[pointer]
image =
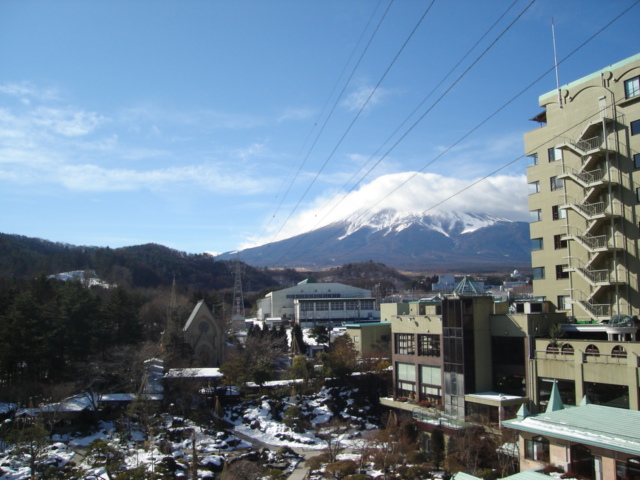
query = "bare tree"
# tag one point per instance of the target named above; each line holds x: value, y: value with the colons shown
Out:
x: 332, y: 434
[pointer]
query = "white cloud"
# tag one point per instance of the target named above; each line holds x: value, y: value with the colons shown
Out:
x: 296, y: 114
x: 67, y: 122
x: 501, y: 195
x: 357, y: 98
x: 26, y: 91
x: 92, y: 178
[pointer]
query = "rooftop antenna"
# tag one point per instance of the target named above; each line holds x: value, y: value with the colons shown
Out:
x: 555, y: 61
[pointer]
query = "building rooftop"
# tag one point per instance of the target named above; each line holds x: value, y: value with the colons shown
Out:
x: 367, y: 324
x: 596, y: 425
x: 567, y: 86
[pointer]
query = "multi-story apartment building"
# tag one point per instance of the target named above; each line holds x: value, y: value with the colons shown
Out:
x: 584, y: 185
x: 463, y: 357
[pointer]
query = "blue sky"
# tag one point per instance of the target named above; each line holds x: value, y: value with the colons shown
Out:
x: 214, y: 125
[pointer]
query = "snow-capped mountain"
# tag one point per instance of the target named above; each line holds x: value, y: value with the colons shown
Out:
x: 451, y: 241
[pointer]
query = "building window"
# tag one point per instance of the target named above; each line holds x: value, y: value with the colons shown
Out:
x: 306, y: 307
x: 351, y: 305
x: 367, y: 304
x: 356, y: 339
x: 406, y: 378
x: 430, y: 383
x: 638, y: 194
x: 632, y: 87
x: 560, y: 273
x: 636, y: 161
x: 429, y: 345
x: 635, y: 127
x: 535, y: 215
x: 619, y: 351
x: 337, y: 306
x: 537, y: 449
x: 533, y: 159
x: 404, y: 344
x: 631, y: 469
x: 554, y: 154
x: 563, y: 302
x: 592, y: 350
x: 567, y: 349
x: 322, y: 306
x: 538, y: 273
x: 558, y: 242
x: 537, y: 244
x: 534, y: 187
x: 556, y: 183
x: 557, y: 213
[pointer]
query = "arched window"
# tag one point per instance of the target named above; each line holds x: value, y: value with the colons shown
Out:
x: 551, y: 348
x: 593, y: 351
x: 537, y: 449
x: 619, y: 351
x: 567, y: 349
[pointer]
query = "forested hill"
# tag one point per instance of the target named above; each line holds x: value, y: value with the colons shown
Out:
x: 144, y: 266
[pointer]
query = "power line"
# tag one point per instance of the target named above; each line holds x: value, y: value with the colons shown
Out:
x: 355, y: 118
x: 579, y: 47
x: 422, y: 118
x: 444, y: 78
x: 315, y: 124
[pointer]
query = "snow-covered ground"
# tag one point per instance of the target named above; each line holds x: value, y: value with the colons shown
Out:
x: 174, y: 440
x: 260, y: 420
x: 263, y: 422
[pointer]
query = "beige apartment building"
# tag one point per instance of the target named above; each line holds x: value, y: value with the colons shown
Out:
x: 584, y: 194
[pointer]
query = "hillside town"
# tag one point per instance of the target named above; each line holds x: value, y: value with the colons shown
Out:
x: 356, y: 371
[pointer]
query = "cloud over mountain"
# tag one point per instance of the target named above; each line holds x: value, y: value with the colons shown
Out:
x: 503, y: 196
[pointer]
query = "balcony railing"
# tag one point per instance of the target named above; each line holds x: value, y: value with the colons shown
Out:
x: 585, y: 145
x: 585, y: 178
x: 595, y: 277
x: 589, y: 144
x: 592, y: 242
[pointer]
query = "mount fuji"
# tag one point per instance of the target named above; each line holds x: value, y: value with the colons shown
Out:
x: 450, y: 241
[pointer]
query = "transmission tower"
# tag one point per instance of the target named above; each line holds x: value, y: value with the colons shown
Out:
x: 237, y: 314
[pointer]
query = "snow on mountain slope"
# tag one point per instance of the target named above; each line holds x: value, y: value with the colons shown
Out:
x: 395, y: 221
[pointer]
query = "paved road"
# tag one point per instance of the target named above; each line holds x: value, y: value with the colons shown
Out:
x: 300, y: 471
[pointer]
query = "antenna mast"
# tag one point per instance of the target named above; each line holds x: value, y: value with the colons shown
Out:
x: 555, y: 62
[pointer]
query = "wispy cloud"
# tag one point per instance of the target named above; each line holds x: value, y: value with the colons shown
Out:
x: 296, y: 114
x: 26, y: 92
x: 67, y: 122
x: 206, y: 177
x: 201, y: 119
x: 357, y: 98
x: 45, y: 143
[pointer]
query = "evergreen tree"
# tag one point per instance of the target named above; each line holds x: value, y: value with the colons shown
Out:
x: 297, y: 341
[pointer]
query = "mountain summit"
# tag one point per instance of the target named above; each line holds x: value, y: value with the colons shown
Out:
x: 413, y: 241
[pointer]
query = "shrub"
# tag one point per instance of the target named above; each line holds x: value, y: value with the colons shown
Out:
x: 341, y: 469
x: 416, y: 457
x: 418, y: 472
x: 315, y: 463
x: 487, y: 474
x: 552, y: 468
x: 295, y: 419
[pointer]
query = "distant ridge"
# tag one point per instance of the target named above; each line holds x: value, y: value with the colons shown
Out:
x: 440, y: 241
